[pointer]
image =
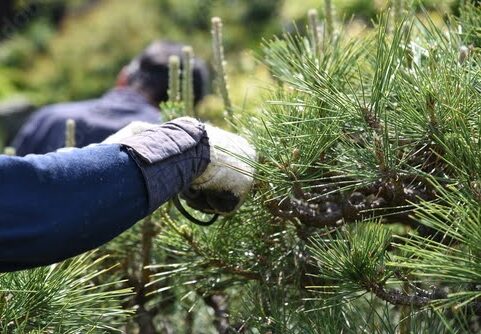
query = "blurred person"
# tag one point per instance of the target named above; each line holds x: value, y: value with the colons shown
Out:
x: 140, y: 87
x: 61, y: 204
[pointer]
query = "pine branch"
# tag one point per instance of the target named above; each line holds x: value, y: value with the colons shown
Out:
x: 216, y: 262
x: 144, y: 318
x: 336, y: 208
x: 395, y: 297
x: 62, y: 298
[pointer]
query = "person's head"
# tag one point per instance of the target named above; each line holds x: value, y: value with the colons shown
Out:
x: 148, y: 73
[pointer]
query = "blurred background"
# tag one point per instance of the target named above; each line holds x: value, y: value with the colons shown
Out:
x: 53, y: 50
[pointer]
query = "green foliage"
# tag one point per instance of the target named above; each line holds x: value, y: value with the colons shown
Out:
x: 471, y: 32
x: 353, y: 260
x: 399, y: 102
x: 453, y: 258
x: 270, y: 308
x: 63, y: 298
x: 89, y: 65
x: 83, y: 59
x: 365, y: 132
x: 215, y: 256
x: 365, y: 211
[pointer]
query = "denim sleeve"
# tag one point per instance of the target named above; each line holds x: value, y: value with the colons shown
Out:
x: 59, y: 205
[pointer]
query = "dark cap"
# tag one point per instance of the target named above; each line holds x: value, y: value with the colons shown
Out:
x: 150, y: 71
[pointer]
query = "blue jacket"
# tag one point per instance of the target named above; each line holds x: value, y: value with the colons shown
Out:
x: 95, y: 120
x: 61, y: 204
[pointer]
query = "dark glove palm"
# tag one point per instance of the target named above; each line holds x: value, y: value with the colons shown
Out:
x: 211, y: 200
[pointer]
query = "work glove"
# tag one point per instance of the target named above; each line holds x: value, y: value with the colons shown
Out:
x: 228, y: 178
x: 224, y: 184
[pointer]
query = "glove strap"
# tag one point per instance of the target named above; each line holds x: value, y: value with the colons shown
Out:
x: 187, y: 215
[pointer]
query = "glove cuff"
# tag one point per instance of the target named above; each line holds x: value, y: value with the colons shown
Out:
x: 170, y: 156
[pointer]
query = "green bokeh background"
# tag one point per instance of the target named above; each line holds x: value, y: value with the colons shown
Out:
x: 69, y: 50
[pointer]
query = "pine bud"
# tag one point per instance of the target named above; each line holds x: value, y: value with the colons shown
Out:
x: 174, y: 71
x: 296, y: 153
x: 186, y: 232
x: 187, y: 80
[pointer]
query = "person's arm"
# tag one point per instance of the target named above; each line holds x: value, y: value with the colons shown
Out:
x: 58, y: 205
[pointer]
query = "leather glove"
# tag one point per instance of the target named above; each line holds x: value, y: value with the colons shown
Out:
x: 226, y: 181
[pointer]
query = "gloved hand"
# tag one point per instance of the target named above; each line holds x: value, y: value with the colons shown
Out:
x: 226, y: 181
x: 228, y: 178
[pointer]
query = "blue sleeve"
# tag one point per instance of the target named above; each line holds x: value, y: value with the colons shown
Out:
x: 59, y: 205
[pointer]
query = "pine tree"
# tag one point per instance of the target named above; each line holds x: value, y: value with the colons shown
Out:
x: 365, y: 216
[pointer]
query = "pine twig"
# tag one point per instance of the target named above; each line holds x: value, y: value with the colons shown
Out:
x: 397, y: 10
x: 187, y: 80
x: 328, y: 11
x: 139, y: 276
x: 211, y: 262
x: 219, y: 65
x: 313, y: 24
x: 70, y: 133
x: 148, y: 234
x: 174, y: 73
x: 189, y: 323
